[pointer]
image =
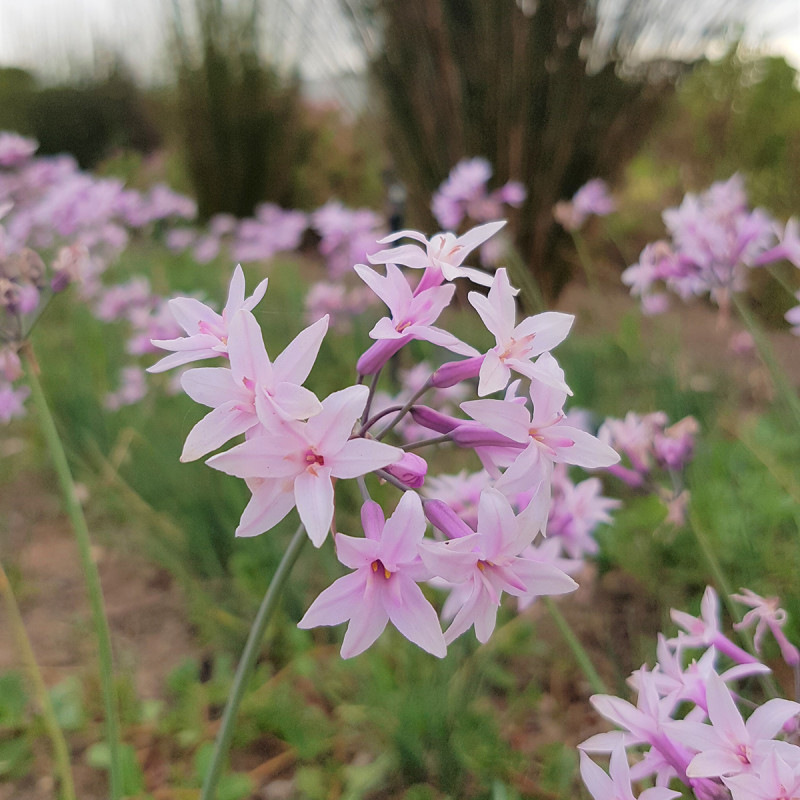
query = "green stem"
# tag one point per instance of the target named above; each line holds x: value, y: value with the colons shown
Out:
x: 581, y: 656
x: 530, y: 298
x: 586, y: 262
x: 90, y: 574
x: 60, y: 750
x: 779, y: 379
x: 248, y: 660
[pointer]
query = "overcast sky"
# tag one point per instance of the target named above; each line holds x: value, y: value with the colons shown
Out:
x: 59, y: 37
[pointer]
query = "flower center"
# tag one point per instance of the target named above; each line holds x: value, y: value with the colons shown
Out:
x: 377, y: 565
x: 313, y: 460
x: 743, y: 753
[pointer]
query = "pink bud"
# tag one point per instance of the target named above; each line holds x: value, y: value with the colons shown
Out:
x: 409, y: 470
x: 454, y: 372
x: 441, y: 516
x: 378, y: 354
x: 434, y: 420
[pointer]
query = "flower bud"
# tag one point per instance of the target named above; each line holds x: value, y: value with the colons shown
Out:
x: 434, y: 420
x: 378, y: 354
x: 441, y: 516
x: 454, y: 372
x: 410, y: 470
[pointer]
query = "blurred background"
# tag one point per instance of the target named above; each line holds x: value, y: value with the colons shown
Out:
x: 236, y: 102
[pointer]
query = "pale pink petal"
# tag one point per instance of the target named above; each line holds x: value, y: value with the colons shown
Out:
x: 493, y: 375
x: 188, y: 311
x: 475, y: 237
x: 332, y: 427
x: 313, y: 494
x: 493, y: 317
x: 496, y: 523
x: 356, y: 552
x: 270, y: 503
x: 210, y: 386
x: 296, y: 361
x: 255, y: 298
x: 372, y: 520
x: 600, y: 786
x: 510, y: 419
x: 453, y: 560
x: 587, y: 451
x: 179, y: 358
x: 295, y: 402
x: 365, y: 626
x: 337, y: 603
x: 360, y: 456
x: 384, y: 328
x: 437, y: 336
x: 216, y: 428
x: 475, y: 275
x: 405, y: 234
x: 403, y: 531
x: 379, y: 284
x: 246, y: 349
x: 415, y: 617
x: 769, y: 718
x: 465, y: 616
x: 713, y: 763
x: 549, y: 329
x: 261, y: 457
x: 205, y: 342
x: 235, y: 292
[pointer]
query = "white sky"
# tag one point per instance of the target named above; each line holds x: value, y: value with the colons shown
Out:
x: 54, y: 37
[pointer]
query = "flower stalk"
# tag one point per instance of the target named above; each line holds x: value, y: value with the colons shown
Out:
x: 91, y: 576
x: 248, y: 660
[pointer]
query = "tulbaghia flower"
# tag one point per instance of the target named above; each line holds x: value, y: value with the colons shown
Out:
x: 383, y: 587
x: 295, y: 463
x: 544, y: 434
x: 729, y: 745
x: 617, y: 784
x: 516, y: 344
x: 704, y: 631
x: 14, y: 149
x: 766, y: 615
x: 132, y: 389
x: 413, y: 315
x: 489, y: 562
x: 442, y: 257
x: 207, y: 330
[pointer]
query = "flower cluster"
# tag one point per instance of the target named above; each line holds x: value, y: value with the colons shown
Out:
x: 592, y: 199
x: 688, y: 718
x: 655, y: 454
x: 296, y: 446
x: 715, y: 239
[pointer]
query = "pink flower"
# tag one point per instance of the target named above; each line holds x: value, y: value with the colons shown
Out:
x: 208, y: 331
x: 298, y: 461
x: 413, y: 315
x: 516, y: 344
x: 617, y: 784
x: 489, y: 563
x: 443, y: 254
x: 546, y: 437
x: 383, y: 587
x: 766, y: 615
x: 729, y: 746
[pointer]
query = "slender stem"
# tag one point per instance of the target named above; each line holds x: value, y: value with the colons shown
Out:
x: 775, y: 272
x: 782, y: 385
x: 60, y: 749
x: 90, y: 574
x: 581, y: 656
x: 248, y: 660
x: 585, y: 261
x: 445, y: 437
x: 405, y: 409
x: 379, y: 416
x: 372, y: 387
x: 385, y: 476
x: 531, y: 298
